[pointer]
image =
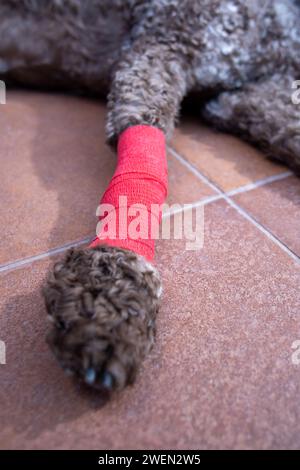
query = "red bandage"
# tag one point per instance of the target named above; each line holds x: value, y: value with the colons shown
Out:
x: 140, y: 179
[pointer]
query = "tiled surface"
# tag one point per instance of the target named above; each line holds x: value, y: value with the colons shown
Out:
x: 224, y: 159
x: 277, y: 207
x: 221, y: 374
x: 184, y: 186
x: 54, y: 167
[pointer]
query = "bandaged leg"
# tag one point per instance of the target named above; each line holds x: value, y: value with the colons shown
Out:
x: 103, y: 300
x: 135, y: 193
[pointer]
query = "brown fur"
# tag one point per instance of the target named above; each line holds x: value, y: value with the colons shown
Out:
x: 102, y: 303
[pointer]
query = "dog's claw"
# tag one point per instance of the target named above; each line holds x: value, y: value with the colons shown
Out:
x: 90, y: 376
x: 107, y: 380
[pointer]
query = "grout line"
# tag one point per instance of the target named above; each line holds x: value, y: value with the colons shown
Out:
x: 54, y: 251
x: 263, y: 229
x: 195, y: 171
x: 226, y: 197
x: 203, y: 202
x: 192, y: 205
x: 233, y: 192
x: 259, y: 183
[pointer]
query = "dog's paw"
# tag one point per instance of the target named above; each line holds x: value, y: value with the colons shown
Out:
x: 102, y: 303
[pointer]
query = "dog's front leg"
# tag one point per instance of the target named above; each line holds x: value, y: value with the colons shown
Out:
x: 103, y: 301
x: 148, y: 86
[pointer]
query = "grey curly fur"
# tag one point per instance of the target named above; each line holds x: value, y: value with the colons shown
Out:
x: 245, y: 109
x: 146, y: 56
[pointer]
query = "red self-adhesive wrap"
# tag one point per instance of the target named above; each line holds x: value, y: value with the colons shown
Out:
x: 137, y: 190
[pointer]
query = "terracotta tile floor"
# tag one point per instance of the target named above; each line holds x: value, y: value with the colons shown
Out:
x: 221, y: 374
x: 225, y: 160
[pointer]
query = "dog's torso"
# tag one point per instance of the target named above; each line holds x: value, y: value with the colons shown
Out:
x: 221, y: 43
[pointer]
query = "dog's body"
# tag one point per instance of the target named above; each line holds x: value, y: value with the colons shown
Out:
x: 242, y: 57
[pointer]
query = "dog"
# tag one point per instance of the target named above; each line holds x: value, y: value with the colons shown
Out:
x: 241, y: 58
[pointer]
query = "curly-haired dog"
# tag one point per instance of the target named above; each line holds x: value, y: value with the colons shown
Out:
x: 240, y: 57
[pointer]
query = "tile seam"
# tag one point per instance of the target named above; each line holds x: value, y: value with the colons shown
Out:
x: 11, y: 266
x: 237, y: 207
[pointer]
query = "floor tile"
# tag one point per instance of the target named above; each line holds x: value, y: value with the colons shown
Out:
x: 54, y: 167
x: 277, y: 207
x: 220, y: 376
x: 224, y: 159
x: 184, y: 186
